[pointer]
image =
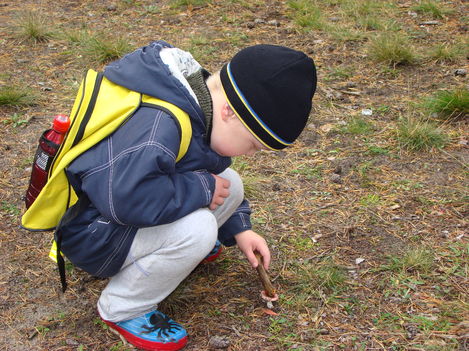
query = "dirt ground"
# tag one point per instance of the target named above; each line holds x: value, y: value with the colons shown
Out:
x: 369, y: 240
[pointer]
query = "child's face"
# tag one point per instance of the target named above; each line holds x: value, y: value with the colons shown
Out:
x: 231, y: 138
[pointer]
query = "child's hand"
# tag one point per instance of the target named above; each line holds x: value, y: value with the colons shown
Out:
x: 221, y: 192
x: 248, y: 242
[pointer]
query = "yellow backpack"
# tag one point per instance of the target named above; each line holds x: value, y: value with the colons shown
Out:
x: 99, y: 109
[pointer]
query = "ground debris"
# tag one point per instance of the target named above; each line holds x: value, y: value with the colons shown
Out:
x: 219, y: 342
x: 384, y: 203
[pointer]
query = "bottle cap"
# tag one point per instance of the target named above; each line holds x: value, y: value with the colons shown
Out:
x: 61, y: 123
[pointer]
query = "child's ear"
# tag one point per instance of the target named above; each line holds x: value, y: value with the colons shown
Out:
x: 227, y: 111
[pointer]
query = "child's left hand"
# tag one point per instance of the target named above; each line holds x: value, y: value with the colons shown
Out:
x: 248, y: 242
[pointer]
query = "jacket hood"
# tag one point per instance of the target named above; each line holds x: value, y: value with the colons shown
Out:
x: 159, y: 70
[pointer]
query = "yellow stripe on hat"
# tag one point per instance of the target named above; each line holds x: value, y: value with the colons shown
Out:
x: 253, y: 113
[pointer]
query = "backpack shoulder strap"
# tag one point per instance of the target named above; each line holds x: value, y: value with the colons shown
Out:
x: 182, y: 119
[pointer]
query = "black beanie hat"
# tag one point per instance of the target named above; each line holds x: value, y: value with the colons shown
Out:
x: 270, y: 89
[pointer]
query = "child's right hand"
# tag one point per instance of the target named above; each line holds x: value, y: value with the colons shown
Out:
x: 221, y: 192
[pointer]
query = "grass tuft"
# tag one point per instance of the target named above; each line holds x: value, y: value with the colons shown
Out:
x: 432, y: 8
x: 362, y: 11
x: 358, y: 126
x: 9, y: 208
x: 306, y: 14
x: 32, y: 26
x: 442, y: 53
x: 176, y: 4
x: 449, y: 104
x: 415, y: 134
x: 331, y: 276
x: 16, y: 120
x: 339, y: 72
x: 418, y: 259
x: 369, y: 23
x: 319, y: 277
x: 101, y: 48
x: 391, y: 48
x: 346, y: 34
x: 14, y: 96
x: 76, y: 36
x: 362, y: 8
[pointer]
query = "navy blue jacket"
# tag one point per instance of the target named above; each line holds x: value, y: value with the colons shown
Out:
x: 132, y: 178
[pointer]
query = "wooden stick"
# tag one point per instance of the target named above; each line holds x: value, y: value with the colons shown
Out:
x: 268, y: 288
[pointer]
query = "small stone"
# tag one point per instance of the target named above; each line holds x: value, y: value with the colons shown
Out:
x: 336, y: 178
x: 112, y: 7
x: 259, y: 20
x: 316, y: 237
x: 250, y: 25
x: 412, y: 331
x: 71, y: 342
x: 334, y: 19
x: 274, y: 23
x: 367, y: 112
x: 359, y: 260
x: 219, y: 342
x: 429, y: 23
x: 323, y: 332
x: 460, y: 72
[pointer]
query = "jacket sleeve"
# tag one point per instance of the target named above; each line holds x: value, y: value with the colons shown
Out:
x: 139, y: 185
x: 239, y: 221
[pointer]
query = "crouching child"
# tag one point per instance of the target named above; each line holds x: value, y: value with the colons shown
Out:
x: 148, y: 220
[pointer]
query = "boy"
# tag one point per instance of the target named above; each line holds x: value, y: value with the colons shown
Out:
x: 150, y: 221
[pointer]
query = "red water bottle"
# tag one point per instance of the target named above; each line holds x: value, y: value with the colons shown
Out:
x: 49, y: 143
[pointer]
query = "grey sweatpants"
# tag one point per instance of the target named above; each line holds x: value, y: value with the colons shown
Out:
x: 161, y: 257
